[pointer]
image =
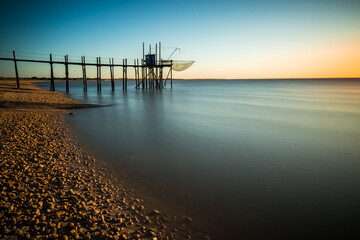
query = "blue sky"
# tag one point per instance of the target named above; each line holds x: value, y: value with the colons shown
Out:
x: 228, y: 39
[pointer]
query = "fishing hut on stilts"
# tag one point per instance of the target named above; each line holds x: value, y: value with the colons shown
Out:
x: 151, y: 72
x: 153, y: 68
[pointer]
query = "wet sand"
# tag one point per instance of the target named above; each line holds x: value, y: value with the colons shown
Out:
x: 52, y: 188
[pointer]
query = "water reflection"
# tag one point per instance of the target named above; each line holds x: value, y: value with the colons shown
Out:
x: 273, y: 159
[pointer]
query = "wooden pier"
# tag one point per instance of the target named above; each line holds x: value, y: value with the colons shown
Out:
x: 151, y: 67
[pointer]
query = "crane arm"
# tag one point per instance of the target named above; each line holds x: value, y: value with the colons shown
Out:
x: 176, y: 49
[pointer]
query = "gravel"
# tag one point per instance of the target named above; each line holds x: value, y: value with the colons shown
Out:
x: 51, y: 188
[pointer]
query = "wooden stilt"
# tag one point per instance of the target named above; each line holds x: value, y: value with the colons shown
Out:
x: 84, y: 73
x: 123, y: 80
x: 149, y: 69
x: 16, y: 72
x: 142, y: 68
x: 142, y: 74
x: 100, y: 74
x: 161, y: 68
x: 52, y: 84
x: 67, y: 72
x: 97, y: 74
x: 135, y: 70
x: 112, y: 74
x: 161, y: 77
x: 126, y: 73
x: 138, y: 73
x: 146, y: 78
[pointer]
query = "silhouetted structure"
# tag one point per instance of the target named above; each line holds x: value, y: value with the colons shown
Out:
x: 151, y: 70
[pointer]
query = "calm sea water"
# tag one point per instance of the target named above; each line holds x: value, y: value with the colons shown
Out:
x: 250, y: 159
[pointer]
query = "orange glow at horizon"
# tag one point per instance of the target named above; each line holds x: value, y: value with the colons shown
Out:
x: 333, y: 60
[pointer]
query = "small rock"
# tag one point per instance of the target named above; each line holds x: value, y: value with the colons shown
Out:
x: 123, y: 236
x: 59, y: 213
x: 54, y: 235
x: 11, y: 208
x: 188, y: 219
x: 151, y: 233
x: 156, y: 212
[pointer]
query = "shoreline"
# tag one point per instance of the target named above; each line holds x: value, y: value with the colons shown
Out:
x: 52, y: 188
x: 182, y: 79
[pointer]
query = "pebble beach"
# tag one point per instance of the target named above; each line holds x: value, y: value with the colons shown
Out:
x: 51, y: 188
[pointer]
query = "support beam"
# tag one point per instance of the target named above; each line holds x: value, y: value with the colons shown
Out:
x: 97, y: 74
x: 70, y: 63
x: 135, y: 70
x: 138, y: 73
x: 126, y: 78
x: 123, y: 78
x: 52, y: 83
x: 142, y: 68
x: 111, y: 61
x: 125, y: 74
x: 142, y: 74
x: 146, y: 77
x: 161, y: 68
x: 161, y: 77
x: 67, y: 72
x: 84, y: 73
x: 100, y: 74
x: 16, y: 72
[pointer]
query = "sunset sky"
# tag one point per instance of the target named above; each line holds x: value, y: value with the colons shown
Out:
x: 227, y: 39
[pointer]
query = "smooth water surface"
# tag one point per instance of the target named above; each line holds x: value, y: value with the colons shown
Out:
x: 258, y: 159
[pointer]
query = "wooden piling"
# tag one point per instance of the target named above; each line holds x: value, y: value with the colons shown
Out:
x: 142, y: 68
x: 52, y: 83
x: 67, y: 72
x: 138, y: 74
x: 142, y: 74
x: 146, y: 77
x: 125, y: 74
x: 16, y: 72
x: 84, y: 73
x: 161, y: 77
x: 99, y: 74
x: 126, y: 78
x: 135, y: 71
x: 148, y: 71
x: 123, y: 78
x: 161, y: 68
x: 112, y: 74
